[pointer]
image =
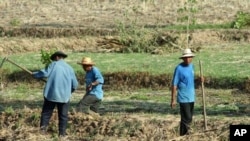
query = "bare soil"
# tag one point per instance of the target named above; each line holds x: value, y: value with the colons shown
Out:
x: 28, y: 26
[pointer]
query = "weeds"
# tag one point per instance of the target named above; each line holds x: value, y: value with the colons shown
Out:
x: 9, y: 111
x: 34, y: 119
x: 15, y: 22
x: 242, y: 20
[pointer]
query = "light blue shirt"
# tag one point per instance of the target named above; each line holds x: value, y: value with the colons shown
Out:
x: 61, y: 81
x: 184, y: 80
x: 95, y: 75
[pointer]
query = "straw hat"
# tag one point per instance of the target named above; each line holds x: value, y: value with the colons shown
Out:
x: 86, y: 61
x: 58, y: 53
x: 187, y: 53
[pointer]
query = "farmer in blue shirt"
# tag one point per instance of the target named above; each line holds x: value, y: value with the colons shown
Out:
x: 60, y: 84
x: 183, y: 85
x: 92, y: 99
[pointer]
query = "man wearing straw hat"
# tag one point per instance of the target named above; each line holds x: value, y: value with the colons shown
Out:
x: 183, y: 85
x: 91, y: 101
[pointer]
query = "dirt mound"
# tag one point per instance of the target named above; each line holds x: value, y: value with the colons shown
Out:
x: 127, y: 81
x: 24, y: 125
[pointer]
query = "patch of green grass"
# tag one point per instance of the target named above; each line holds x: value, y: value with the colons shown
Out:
x: 144, y: 101
x: 23, y: 91
x: 227, y: 71
x: 225, y: 60
x: 139, y: 97
x: 27, y: 60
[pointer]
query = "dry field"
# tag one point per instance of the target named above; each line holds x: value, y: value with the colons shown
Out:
x: 94, y: 18
x: 104, y: 13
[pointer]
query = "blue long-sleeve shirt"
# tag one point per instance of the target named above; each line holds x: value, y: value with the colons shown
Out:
x: 95, y: 75
x: 184, y: 80
x: 61, y: 81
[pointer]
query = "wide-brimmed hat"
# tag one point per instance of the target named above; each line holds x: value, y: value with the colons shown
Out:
x: 58, y: 53
x: 187, y: 53
x: 86, y: 61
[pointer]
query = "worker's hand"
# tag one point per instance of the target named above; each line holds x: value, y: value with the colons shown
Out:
x: 89, y: 88
x: 173, y: 104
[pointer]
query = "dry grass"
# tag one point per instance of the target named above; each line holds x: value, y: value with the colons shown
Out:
x: 59, y: 19
x: 23, y: 125
x: 103, y: 13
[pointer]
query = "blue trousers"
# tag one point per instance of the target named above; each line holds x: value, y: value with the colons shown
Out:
x: 186, y: 110
x: 47, y: 111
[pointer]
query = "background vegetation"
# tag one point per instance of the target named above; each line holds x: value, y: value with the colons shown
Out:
x: 136, y: 45
x: 149, y: 70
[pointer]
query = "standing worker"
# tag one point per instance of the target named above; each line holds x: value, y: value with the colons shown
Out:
x: 92, y: 99
x: 60, y: 84
x: 183, y: 84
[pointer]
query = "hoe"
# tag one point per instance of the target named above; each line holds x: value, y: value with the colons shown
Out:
x: 12, y: 62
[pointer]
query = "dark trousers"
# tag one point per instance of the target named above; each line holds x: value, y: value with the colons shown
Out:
x: 89, y: 102
x: 186, y: 110
x: 47, y: 111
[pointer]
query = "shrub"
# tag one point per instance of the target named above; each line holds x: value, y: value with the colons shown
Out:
x: 242, y: 20
x: 45, y: 57
x: 135, y: 38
